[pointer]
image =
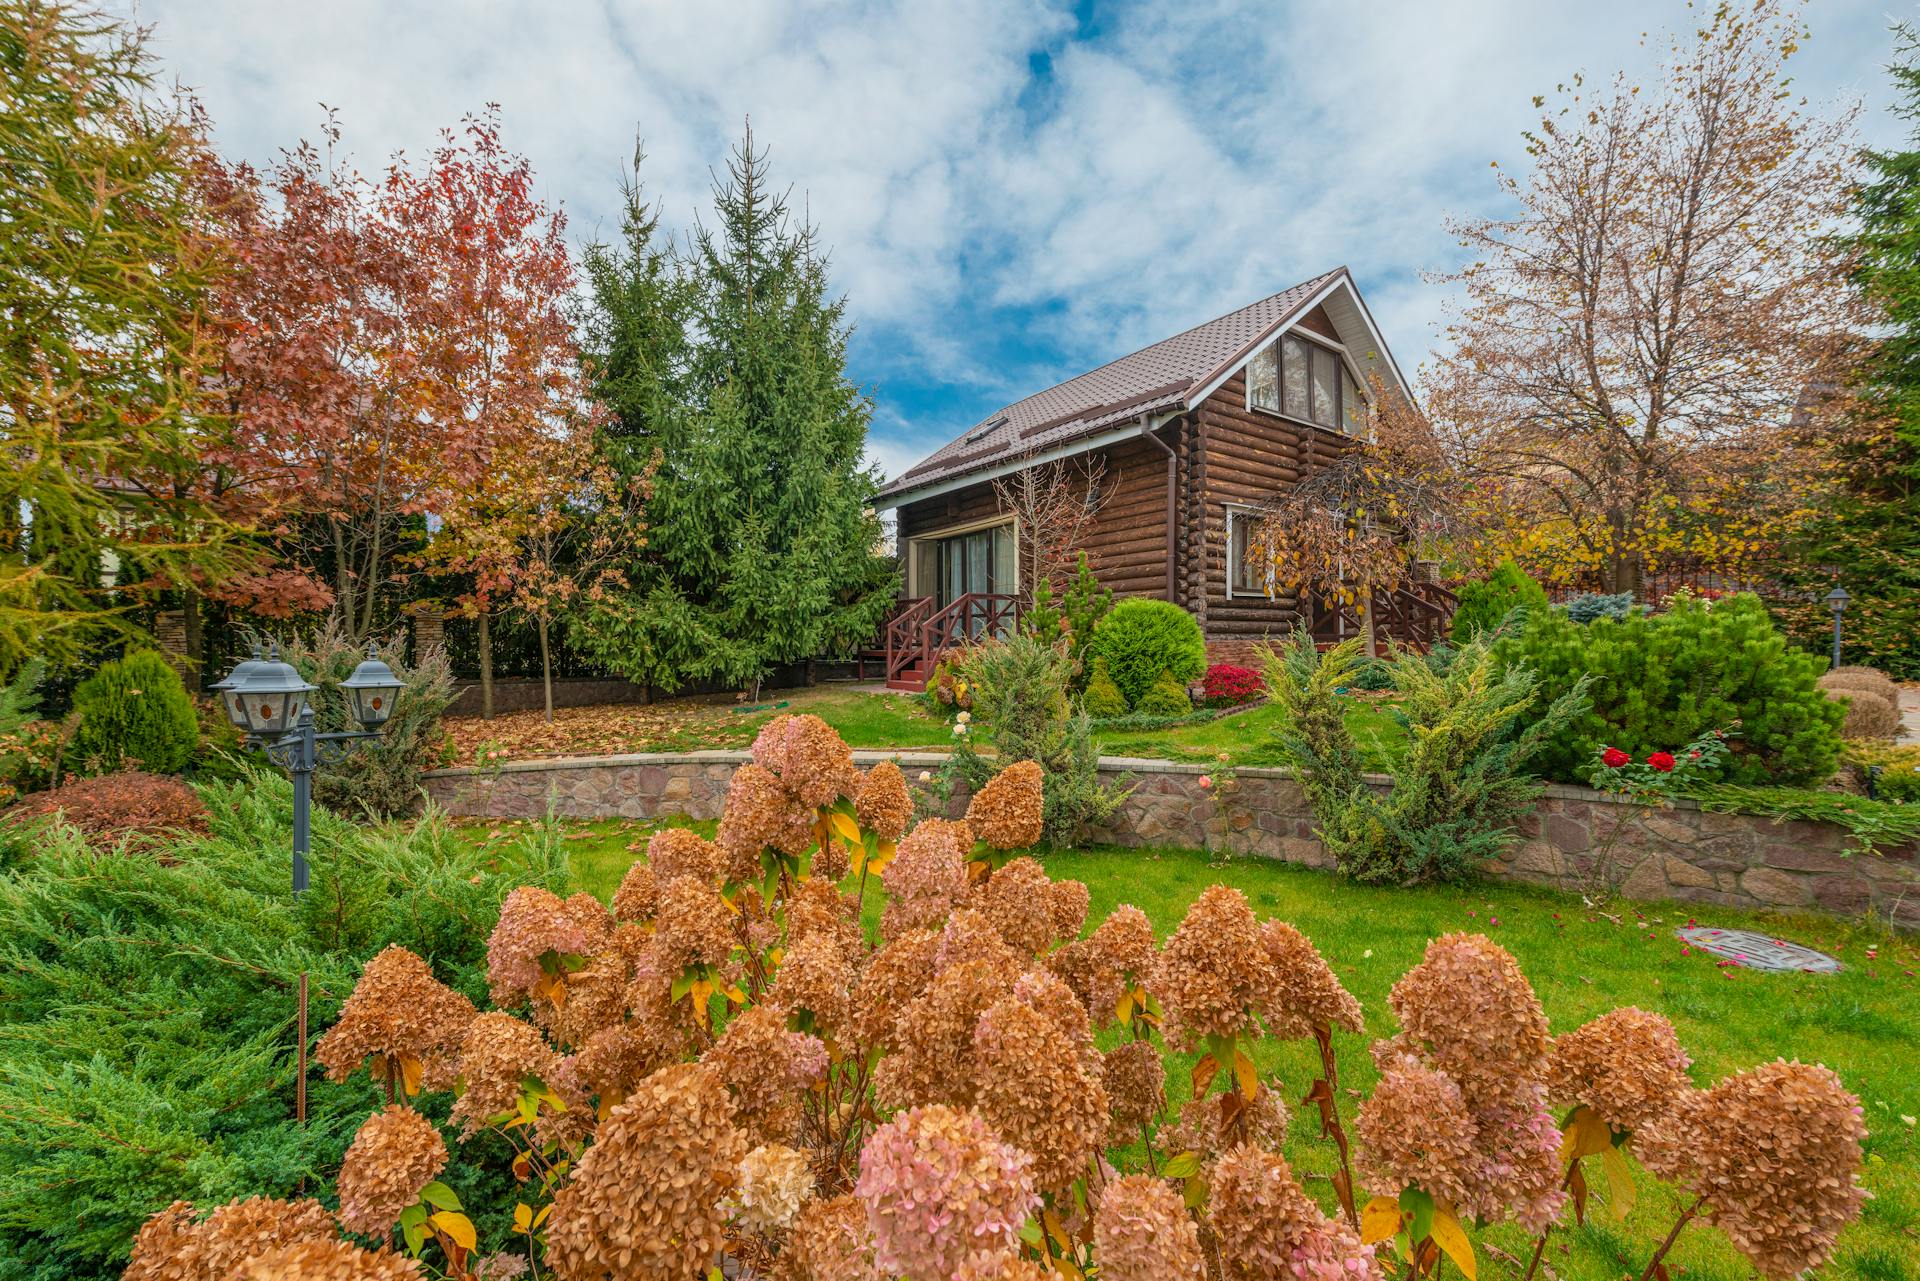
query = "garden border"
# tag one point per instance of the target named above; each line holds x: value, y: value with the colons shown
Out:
x: 1684, y: 852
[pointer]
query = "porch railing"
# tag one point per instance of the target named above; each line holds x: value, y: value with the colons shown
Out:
x: 919, y: 635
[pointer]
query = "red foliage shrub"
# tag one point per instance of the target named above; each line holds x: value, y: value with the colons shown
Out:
x: 111, y: 806
x: 1226, y: 685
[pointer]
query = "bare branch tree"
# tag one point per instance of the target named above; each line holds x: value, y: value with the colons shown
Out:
x: 1052, y: 504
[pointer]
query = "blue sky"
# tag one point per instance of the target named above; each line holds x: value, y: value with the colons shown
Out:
x: 1012, y: 192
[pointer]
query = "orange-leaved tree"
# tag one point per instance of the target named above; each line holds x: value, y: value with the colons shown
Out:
x: 1634, y: 354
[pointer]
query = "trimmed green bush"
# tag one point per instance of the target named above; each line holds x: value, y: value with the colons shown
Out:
x: 1139, y: 639
x: 1165, y: 697
x: 1485, y: 602
x: 1103, y: 699
x: 134, y: 711
x: 1662, y: 680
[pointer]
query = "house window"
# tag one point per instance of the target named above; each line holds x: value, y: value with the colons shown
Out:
x: 975, y: 561
x: 1246, y: 573
x: 1302, y: 379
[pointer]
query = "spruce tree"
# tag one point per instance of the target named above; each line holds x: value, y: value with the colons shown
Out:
x: 726, y: 363
x: 1868, y: 536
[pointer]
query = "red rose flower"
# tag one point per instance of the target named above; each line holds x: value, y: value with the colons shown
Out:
x: 1614, y: 758
x: 1662, y: 761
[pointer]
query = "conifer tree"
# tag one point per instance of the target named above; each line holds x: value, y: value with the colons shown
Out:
x: 726, y: 363
x: 1868, y: 537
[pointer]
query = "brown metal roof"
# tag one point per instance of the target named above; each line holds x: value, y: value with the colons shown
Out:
x: 1152, y: 379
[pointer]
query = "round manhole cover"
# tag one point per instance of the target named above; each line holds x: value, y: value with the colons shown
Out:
x: 1757, y: 951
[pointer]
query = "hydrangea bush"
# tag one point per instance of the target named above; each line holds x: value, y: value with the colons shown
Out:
x: 724, y: 1075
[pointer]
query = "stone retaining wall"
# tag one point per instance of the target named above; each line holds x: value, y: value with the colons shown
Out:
x: 1570, y: 841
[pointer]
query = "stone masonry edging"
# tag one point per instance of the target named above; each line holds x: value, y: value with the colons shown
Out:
x: 1682, y: 852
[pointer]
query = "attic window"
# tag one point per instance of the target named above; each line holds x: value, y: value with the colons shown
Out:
x: 1303, y: 380
x: 975, y: 437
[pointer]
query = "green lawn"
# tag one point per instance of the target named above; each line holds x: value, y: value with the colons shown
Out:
x: 1864, y: 1022
x: 1247, y: 737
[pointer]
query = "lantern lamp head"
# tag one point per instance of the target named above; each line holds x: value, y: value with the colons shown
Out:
x: 269, y: 697
x: 371, y: 690
x: 226, y: 688
x: 1837, y: 600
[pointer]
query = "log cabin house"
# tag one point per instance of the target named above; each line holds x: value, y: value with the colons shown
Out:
x: 1194, y: 433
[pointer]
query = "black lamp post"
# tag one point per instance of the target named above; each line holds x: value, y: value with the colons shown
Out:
x: 266, y: 699
x: 1837, y: 602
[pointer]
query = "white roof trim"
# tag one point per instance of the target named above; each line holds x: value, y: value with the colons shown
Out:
x: 1341, y: 282
x: 1080, y: 445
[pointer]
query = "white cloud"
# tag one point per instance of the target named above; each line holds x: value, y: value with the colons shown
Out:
x: 993, y: 233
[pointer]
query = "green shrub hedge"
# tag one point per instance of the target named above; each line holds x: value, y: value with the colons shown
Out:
x: 1165, y: 697
x: 1662, y: 680
x: 1103, y: 699
x: 134, y: 711
x: 1484, y: 602
x: 1139, y: 639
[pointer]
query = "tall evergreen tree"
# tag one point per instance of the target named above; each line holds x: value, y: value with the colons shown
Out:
x: 1868, y: 537
x: 726, y: 365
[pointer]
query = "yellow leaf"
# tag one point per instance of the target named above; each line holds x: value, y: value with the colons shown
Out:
x: 882, y: 855
x: 1586, y: 1135
x: 410, y: 1069
x: 735, y: 995
x: 1203, y: 1074
x: 699, y: 994
x: 844, y: 827
x: 1620, y: 1190
x: 457, y: 1226
x: 1379, y: 1219
x: 1246, y: 1074
x: 541, y: 1217
x: 1123, y: 1012
x: 523, y: 1217
x: 1451, y: 1237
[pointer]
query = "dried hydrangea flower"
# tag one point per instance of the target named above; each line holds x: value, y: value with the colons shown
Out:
x: 500, y: 1267
x: 1305, y: 994
x: 938, y: 1185
x: 895, y: 976
x: 830, y: 862
x: 395, y: 1153
x: 1136, y: 1081
x: 644, y: 1201
x: 1775, y: 1153
x: 326, y: 1260
x: 809, y: 758
x: 1627, y: 1065
x: 1117, y: 956
x: 1213, y: 970
x: 171, y: 1246
x: 815, y: 978
x: 932, y: 1059
x: 883, y: 805
x: 829, y: 1242
x: 1519, y: 1172
x: 1037, y: 1083
x: 1008, y: 813
x: 1414, y: 1130
x: 569, y: 1127
x: 1468, y: 1010
x: 639, y: 892
x: 766, y: 1068
x: 398, y: 1010
x: 679, y: 851
x: 1015, y: 899
x: 926, y: 878
x: 1269, y: 1227
x: 533, y: 923
x: 1142, y: 1232
x: 1216, y: 1122
x: 1001, y: 1265
x: 596, y: 998
x: 760, y: 813
x: 498, y: 1052
x: 1067, y: 903
x: 613, y: 1061
x: 775, y: 1181
x: 693, y: 926
x: 970, y: 935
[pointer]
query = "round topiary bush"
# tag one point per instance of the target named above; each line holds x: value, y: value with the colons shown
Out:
x: 1165, y: 697
x: 1853, y: 676
x: 1868, y: 714
x: 134, y: 709
x: 1103, y: 698
x: 1139, y: 639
